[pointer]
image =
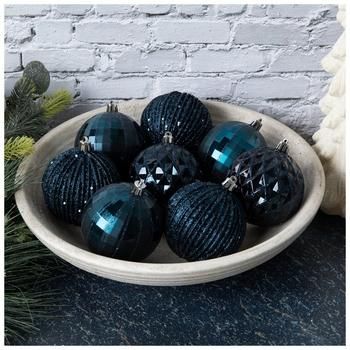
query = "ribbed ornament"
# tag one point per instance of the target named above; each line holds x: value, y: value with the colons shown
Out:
x: 204, y: 221
x: 165, y: 168
x: 114, y: 134
x: 182, y: 114
x: 224, y: 143
x: 71, y: 178
x: 270, y: 183
x: 123, y: 221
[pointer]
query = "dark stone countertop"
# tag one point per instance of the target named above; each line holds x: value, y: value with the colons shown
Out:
x: 296, y: 298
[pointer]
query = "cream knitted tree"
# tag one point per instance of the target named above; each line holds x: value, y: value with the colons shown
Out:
x: 330, y: 138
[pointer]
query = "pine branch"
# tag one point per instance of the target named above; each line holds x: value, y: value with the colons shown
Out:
x: 18, y: 147
x: 56, y: 103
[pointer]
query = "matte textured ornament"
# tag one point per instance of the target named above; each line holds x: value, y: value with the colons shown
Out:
x: 205, y: 221
x: 271, y: 184
x: 165, y: 167
x: 123, y: 221
x: 114, y: 134
x: 72, y: 177
x: 182, y: 114
x: 224, y: 143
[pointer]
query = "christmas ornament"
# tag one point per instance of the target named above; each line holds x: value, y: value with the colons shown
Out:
x: 39, y: 75
x: 114, y: 134
x: 205, y: 221
x: 72, y: 177
x: 165, y: 167
x: 184, y: 115
x: 271, y: 184
x: 123, y: 221
x: 224, y: 143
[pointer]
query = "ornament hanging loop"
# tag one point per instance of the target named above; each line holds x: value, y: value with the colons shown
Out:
x: 139, y: 186
x: 230, y: 183
x: 85, y: 144
x: 111, y: 107
x: 282, y: 146
x: 168, y: 137
x: 256, y: 124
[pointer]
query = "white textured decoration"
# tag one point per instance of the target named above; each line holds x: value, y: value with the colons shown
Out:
x: 330, y: 139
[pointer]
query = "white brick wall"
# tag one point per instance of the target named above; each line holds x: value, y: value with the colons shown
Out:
x: 265, y: 57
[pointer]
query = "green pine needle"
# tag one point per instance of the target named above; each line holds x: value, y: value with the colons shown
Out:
x: 18, y: 147
x: 56, y: 103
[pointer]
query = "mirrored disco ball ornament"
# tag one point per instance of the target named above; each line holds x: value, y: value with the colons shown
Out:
x: 205, y: 220
x: 123, y: 221
x: 224, y: 143
x: 270, y: 183
x: 114, y: 134
x: 165, y: 167
x: 72, y: 177
x: 182, y: 114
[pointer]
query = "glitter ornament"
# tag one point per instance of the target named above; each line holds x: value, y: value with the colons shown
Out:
x: 270, y: 183
x: 182, y: 114
x: 123, y: 221
x: 224, y: 143
x: 165, y: 167
x: 205, y: 220
x: 114, y: 134
x: 72, y: 177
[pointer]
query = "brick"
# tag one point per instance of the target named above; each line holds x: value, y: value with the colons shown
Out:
x: 327, y: 34
x: 294, y: 11
x: 190, y: 10
x: 156, y: 61
x: 124, y: 88
x: 17, y: 31
x: 257, y: 10
x: 192, y: 31
x: 59, y: 84
x: 272, y: 88
x: 111, y: 32
x: 10, y: 82
x: 62, y: 60
x: 241, y: 60
x: 154, y: 9
x: 270, y: 34
x: 54, y: 32
x: 26, y: 10
x: 77, y: 10
x: 230, y: 9
x: 318, y: 87
x: 12, y: 61
x: 113, y: 9
x: 201, y: 87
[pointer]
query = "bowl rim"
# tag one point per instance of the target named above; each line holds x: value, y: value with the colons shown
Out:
x: 172, y: 271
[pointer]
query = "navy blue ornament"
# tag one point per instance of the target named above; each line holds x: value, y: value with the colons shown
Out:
x: 205, y: 221
x: 123, y: 221
x: 114, y: 134
x: 72, y: 177
x: 270, y: 183
x: 224, y: 143
x: 182, y: 114
x: 165, y: 167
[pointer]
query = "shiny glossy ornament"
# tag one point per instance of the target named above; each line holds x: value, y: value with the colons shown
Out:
x: 114, y: 134
x: 204, y: 221
x: 165, y: 167
x: 72, y: 177
x: 224, y: 143
x: 123, y: 221
x: 182, y: 114
x: 270, y: 183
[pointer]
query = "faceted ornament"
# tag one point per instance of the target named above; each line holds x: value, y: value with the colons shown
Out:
x: 204, y: 221
x: 72, y: 177
x: 123, y: 221
x: 182, y: 114
x: 165, y: 168
x: 271, y: 185
x: 224, y: 143
x: 114, y: 134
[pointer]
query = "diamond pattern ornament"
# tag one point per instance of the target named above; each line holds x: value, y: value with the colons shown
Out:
x: 165, y: 168
x: 270, y: 183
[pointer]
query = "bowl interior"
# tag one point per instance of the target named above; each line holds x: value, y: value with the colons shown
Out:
x: 62, y: 138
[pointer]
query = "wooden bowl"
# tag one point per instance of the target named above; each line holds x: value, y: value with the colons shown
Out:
x: 163, y: 267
